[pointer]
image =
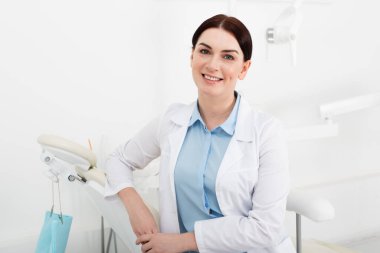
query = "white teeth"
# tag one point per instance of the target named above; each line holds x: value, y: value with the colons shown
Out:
x: 212, y: 78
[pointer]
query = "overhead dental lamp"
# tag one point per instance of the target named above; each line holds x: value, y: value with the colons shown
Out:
x: 285, y: 29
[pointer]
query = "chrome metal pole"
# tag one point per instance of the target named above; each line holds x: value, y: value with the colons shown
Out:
x: 298, y: 232
x: 109, y: 240
x: 102, y: 234
x: 114, y: 241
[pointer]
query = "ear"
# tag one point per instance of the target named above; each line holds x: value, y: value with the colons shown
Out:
x: 244, y: 70
x: 191, y: 57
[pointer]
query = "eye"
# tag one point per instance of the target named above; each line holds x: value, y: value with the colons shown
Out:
x: 204, y: 51
x: 228, y: 57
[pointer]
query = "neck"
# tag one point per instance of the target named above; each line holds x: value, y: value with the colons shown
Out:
x: 214, y: 111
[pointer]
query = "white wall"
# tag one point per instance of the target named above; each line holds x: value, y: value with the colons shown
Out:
x: 87, y: 69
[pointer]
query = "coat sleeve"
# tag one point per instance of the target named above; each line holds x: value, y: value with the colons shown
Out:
x: 263, y: 226
x: 135, y: 154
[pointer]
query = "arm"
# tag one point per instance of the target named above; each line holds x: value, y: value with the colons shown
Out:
x: 135, y: 154
x: 262, y: 228
x: 141, y: 218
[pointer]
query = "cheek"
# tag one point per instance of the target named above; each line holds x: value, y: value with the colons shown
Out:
x: 197, y: 59
x: 196, y: 64
x: 232, y: 73
x: 195, y: 70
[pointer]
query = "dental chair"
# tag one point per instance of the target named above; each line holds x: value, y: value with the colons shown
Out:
x: 68, y: 160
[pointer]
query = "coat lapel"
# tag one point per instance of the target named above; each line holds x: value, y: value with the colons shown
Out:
x: 175, y: 141
x: 181, y: 119
x: 243, y: 133
x: 232, y: 155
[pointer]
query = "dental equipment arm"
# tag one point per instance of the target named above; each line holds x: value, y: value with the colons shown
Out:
x: 328, y: 112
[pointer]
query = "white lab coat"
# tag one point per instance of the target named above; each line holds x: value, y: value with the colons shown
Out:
x: 251, y: 185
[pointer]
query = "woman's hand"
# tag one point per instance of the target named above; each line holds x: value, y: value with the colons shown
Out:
x: 140, y: 217
x: 160, y: 243
x: 167, y: 243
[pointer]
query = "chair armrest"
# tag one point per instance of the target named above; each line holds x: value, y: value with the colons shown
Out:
x: 313, y: 207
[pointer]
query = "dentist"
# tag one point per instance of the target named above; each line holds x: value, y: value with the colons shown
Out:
x: 224, y: 169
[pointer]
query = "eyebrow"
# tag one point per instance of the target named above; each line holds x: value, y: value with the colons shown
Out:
x: 225, y: 51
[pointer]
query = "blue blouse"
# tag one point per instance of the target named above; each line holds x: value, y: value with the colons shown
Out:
x: 197, y: 166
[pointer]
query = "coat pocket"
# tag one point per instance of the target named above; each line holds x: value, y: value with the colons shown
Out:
x: 235, y: 190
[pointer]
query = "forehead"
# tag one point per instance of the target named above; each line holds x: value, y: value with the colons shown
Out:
x: 219, y: 39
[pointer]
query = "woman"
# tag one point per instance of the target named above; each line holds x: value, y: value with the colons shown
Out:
x: 223, y: 172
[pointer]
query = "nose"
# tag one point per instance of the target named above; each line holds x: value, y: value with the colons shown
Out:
x: 213, y: 64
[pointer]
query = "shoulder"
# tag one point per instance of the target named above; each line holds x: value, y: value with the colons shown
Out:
x: 269, y: 128
x: 176, y: 115
x: 179, y: 113
x: 264, y: 120
x: 256, y: 117
x: 175, y: 108
x: 260, y: 124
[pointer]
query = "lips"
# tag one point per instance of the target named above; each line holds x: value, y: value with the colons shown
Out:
x: 211, y: 78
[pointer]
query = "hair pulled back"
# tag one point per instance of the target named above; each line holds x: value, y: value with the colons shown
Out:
x: 231, y: 25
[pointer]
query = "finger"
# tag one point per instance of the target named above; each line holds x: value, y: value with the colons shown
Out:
x: 143, y: 239
x: 140, y: 232
x: 146, y: 247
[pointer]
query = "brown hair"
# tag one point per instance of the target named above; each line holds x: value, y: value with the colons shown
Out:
x: 231, y: 25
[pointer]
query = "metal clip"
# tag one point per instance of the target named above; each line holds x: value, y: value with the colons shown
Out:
x: 60, y: 216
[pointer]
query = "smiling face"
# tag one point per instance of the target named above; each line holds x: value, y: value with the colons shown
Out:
x: 217, y: 63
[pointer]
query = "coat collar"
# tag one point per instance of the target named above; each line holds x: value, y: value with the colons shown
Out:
x: 244, y: 124
x: 243, y: 129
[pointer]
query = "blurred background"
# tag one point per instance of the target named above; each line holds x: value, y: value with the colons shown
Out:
x: 100, y: 70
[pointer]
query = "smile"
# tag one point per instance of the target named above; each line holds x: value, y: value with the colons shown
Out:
x: 211, y: 78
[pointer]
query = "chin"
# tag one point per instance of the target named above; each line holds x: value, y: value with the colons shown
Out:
x: 210, y: 91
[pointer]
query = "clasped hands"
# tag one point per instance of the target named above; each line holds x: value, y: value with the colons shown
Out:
x: 160, y: 243
x: 146, y: 230
x: 152, y: 241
